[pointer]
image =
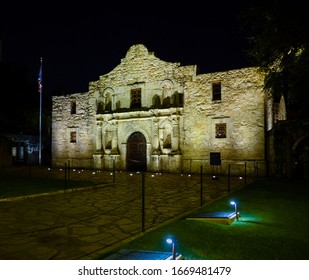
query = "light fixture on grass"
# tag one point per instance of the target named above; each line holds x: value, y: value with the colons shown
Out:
x: 236, y: 209
x: 170, y: 241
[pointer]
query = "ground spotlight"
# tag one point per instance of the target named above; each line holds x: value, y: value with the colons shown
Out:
x: 236, y: 209
x: 170, y: 241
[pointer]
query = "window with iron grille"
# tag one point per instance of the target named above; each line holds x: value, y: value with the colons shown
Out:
x: 136, y: 98
x: 221, y: 130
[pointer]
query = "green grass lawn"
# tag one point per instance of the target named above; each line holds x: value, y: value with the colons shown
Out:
x: 274, y: 224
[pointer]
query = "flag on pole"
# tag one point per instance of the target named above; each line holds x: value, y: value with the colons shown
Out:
x: 40, y: 120
x: 40, y: 78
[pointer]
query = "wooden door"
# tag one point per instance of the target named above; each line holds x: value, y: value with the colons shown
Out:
x: 136, y: 152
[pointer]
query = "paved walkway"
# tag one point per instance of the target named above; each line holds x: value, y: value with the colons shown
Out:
x: 81, y: 224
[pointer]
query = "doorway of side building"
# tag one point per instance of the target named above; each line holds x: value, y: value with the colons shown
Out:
x: 300, y: 158
x: 136, y: 152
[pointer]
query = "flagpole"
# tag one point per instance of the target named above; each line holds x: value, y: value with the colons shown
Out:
x: 40, y: 117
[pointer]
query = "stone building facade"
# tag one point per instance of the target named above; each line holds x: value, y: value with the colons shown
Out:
x: 158, y: 116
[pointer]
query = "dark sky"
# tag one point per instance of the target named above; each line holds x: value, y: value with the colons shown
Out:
x: 80, y: 42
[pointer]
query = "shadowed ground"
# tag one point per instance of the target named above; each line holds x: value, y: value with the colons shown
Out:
x: 80, y: 223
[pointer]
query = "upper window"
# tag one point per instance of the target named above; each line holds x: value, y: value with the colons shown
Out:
x: 221, y: 130
x: 136, y: 98
x: 73, y: 137
x: 216, y: 91
x: 73, y: 107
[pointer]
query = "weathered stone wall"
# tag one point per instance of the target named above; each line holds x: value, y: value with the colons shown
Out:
x: 140, y: 69
x: 63, y: 123
x: 241, y: 107
x: 177, y: 116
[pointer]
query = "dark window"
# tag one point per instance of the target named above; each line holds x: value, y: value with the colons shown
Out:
x: 136, y: 98
x: 221, y: 130
x: 73, y: 107
x: 215, y: 158
x: 73, y: 137
x: 216, y: 91
x: 100, y: 108
x: 177, y: 99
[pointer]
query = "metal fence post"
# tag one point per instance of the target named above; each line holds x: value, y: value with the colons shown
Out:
x: 201, y: 185
x: 69, y: 174
x: 143, y: 202
x: 229, y: 180
x: 114, y: 170
x: 65, y: 176
x: 245, y: 173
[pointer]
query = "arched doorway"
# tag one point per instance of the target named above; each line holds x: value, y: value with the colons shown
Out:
x: 136, y: 152
x: 300, y: 154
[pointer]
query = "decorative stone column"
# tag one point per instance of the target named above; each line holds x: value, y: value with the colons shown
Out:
x: 99, y: 137
x: 113, y: 107
x: 161, y: 139
x: 114, y: 139
x: 155, y: 140
x: 175, y: 136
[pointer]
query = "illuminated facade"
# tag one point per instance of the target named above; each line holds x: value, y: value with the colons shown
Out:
x: 152, y: 115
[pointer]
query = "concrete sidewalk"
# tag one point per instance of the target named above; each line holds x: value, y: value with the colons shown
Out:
x: 82, y: 224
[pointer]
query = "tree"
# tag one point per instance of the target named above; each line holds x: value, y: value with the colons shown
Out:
x: 278, y: 35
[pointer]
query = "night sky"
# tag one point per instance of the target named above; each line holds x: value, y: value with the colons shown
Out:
x: 81, y: 41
